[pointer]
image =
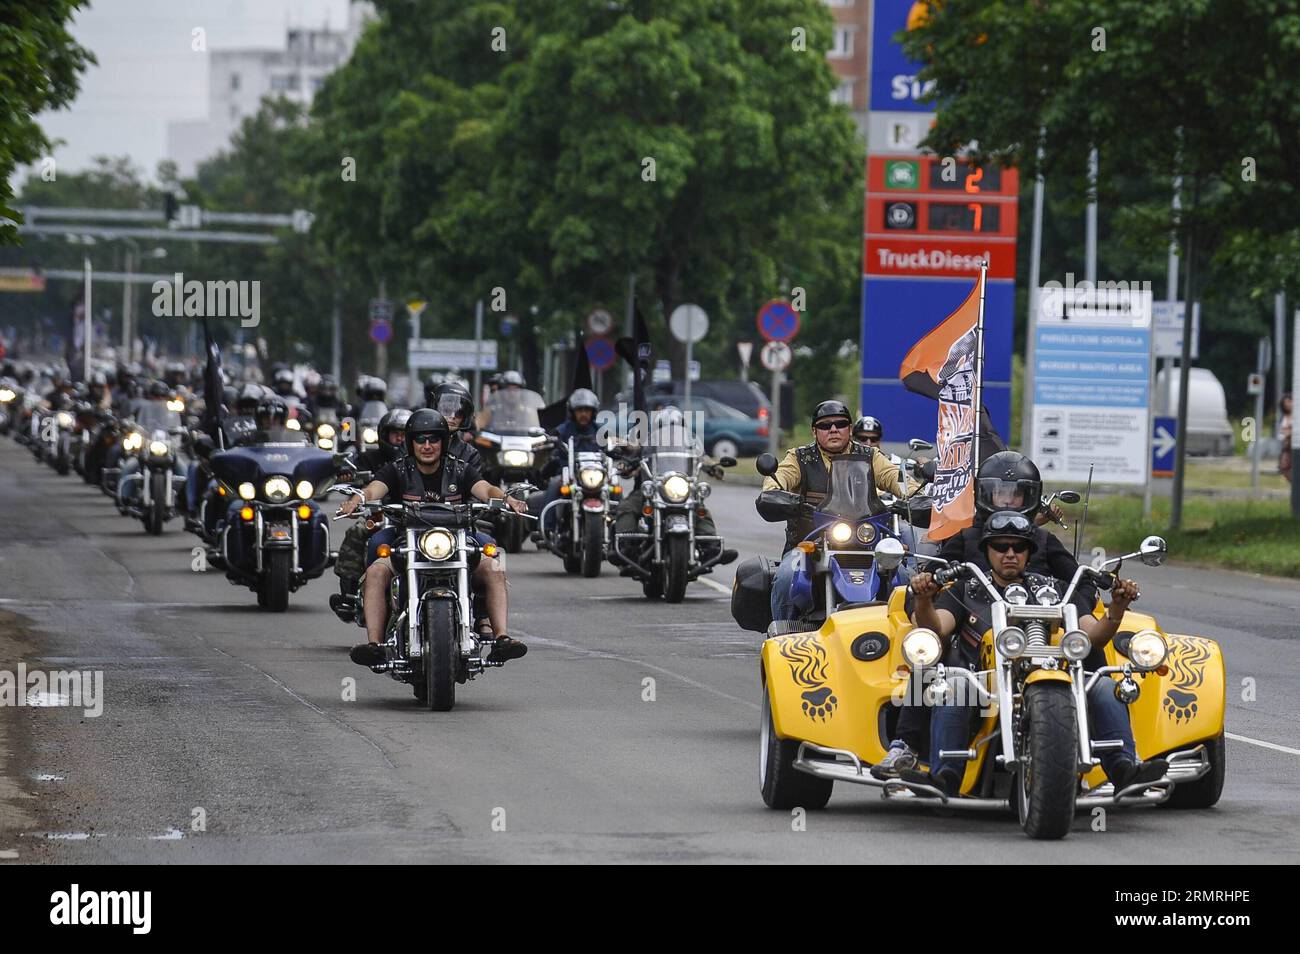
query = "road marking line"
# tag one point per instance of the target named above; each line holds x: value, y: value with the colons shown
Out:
x: 715, y: 584
x: 1260, y: 743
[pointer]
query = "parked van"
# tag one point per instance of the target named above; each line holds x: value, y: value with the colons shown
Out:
x: 1209, y: 433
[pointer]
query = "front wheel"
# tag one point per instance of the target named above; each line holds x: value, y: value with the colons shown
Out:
x: 276, y: 585
x: 784, y: 786
x: 438, y: 656
x: 512, y: 532
x: 1047, y: 780
x: 593, y: 544
x: 1205, y: 791
x: 156, y: 516
x: 677, y: 562
x: 61, y: 465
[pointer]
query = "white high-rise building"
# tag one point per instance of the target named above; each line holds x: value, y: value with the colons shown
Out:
x: 238, y: 80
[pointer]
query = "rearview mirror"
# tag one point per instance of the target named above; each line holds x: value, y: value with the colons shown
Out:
x: 917, y: 444
x: 727, y: 461
x: 1152, y: 551
x: 765, y: 465
x: 1068, y: 496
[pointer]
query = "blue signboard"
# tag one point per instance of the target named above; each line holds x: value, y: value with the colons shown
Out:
x: 1164, y: 438
x: 894, y: 83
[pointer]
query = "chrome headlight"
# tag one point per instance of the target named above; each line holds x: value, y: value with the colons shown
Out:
x: 517, y: 458
x: 292, y: 424
x: 865, y: 533
x: 888, y: 553
x: 304, y: 489
x: 1147, y: 649
x: 591, y: 477
x: 133, y: 441
x: 1011, y: 642
x: 921, y: 648
x: 841, y: 533
x: 369, y: 436
x: 159, y: 448
x: 1075, y: 645
x: 247, y: 490
x: 6, y: 395
x: 324, y: 430
x: 66, y: 419
x: 277, y: 489
x: 675, y: 488
x: 437, y: 544
x: 702, y: 489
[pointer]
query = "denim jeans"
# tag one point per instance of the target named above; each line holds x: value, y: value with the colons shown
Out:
x: 782, y: 581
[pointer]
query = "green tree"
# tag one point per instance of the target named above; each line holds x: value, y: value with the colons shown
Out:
x: 39, y: 68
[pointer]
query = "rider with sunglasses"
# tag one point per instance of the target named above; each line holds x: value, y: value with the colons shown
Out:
x: 963, y: 613
x: 806, y: 471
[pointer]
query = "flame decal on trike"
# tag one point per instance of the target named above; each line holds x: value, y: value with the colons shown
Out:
x: 808, y: 667
x: 1187, y: 658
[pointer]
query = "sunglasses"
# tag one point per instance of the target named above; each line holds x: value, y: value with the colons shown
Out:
x: 1015, y: 546
x: 425, y: 439
x: 869, y: 438
x: 832, y: 425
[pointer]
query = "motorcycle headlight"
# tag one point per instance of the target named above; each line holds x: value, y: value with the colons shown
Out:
x: 176, y: 405
x: 437, y: 544
x: 841, y: 533
x: 888, y: 553
x: 324, y: 430
x: 277, y: 489
x: 325, y: 443
x: 304, y: 489
x: 675, y: 488
x: 247, y: 490
x: 865, y: 533
x: 133, y: 441
x: 1147, y: 649
x: 159, y: 448
x: 292, y: 424
x: 369, y: 436
x: 66, y: 419
x: 6, y: 395
x: 921, y: 648
x: 1011, y: 642
x: 1076, y: 645
x: 591, y: 477
x: 517, y: 458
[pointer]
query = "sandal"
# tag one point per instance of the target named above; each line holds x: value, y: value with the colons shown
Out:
x: 506, y: 648
x: 368, y: 654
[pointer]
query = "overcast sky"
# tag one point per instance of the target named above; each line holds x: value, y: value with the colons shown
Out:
x: 148, y: 75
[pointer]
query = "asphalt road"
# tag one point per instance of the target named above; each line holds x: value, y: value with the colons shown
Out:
x: 628, y: 734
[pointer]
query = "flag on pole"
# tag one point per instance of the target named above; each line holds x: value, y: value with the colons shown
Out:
x: 213, y: 389
x: 947, y: 365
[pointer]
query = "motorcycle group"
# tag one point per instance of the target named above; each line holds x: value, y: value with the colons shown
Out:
x: 981, y: 672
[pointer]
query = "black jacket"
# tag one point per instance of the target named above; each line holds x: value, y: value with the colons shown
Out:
x: 1050, y: 557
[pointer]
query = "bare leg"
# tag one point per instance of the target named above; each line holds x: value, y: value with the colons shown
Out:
x: 376, y: 583
x: 492, y: 578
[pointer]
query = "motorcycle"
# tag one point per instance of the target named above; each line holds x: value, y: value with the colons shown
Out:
x: 10, y: 401
x: 55, y: 445
x: 514, y: 448
x: 832, y: 697
x: 663, y: 553
x: 432, y: 642
x: 152, y: 479
x: 273, y: 537
x: 580, y: 533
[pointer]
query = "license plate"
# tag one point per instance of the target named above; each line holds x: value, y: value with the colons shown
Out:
x: 278, y: 533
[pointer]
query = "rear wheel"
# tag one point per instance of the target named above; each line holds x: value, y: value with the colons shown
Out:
x: 1205, y: 791
x: 1047, y: 780
x: 677, y: 561
x: 438, y: 656
x: 276, y: 585
x: 593, y: 544
x: 653, y: 588
x: 61, y: 465
x: 784, y: 786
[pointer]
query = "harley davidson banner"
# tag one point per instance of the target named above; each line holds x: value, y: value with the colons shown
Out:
x: 943, y: 365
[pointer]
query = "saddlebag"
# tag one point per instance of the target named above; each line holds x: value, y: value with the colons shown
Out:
x: 751, y: 594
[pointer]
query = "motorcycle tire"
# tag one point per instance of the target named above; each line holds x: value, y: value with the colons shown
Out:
x: 276, y: 585
x: 156, y: 516
x: 593, y: 544
x: 61, y: 465
x: 1205, y: 791
x: 511, y: 530
x: 1047, y: 782
x: 783, y: 786
x: 677, y: 560
x: 439, y: 656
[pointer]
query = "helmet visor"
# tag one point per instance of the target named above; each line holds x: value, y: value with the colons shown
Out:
x: 451, y: 407
x: 995, y: 493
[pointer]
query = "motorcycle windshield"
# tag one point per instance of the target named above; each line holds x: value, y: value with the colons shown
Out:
x: 513, y: 410
x: 372, y: 411
x: 154, y: 416
x: 850, y: 487
x: 673, y: 448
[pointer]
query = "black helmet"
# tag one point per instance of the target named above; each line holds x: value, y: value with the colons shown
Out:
x: 249, y: 398
x: 394, y: 420
x: 512, y: 377
x: 1008, y: 523
x: 831, y: 409
x: 271, y: 412
x: 1005, y: 477
x: 426, y: 421
x: 282, y: 381
x: 584, y: 398
x: 327, y: 392
x: 371, y: 388
x: 229, y: 395
x: 867, y: 424
x: 451, y: 399
x: 158, y: 389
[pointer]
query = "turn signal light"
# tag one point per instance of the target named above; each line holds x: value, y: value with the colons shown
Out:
x: 565, y: 490
x: 702, y: 512
x: 647, y: 510
x: 615, y: 489
x: 304, y: 512
x: 1162, y: 671
x: 384, y: 550
x: 489, y: 549
x: 221, y: 491
x: 246, y: 513
x: 807, y: 546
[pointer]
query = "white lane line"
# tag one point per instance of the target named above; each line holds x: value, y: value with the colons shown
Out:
x: 1261, y: 743
x: 715, y: 584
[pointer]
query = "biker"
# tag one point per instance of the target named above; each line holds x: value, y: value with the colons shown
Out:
x: 868, y: 430
x: 805, y: 471
x: 452, y: 400
x: 428, y: 473
x: 270, y: 417
x: 1007, y: 541
x: 152, y: 412
x: 392, y: 441
x: 579, y: 427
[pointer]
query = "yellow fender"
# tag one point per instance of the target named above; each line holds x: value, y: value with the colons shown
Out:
x: 1046, y: 675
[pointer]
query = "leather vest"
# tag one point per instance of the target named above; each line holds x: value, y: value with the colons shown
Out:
x: 815, y: 484
x: 452, y: 473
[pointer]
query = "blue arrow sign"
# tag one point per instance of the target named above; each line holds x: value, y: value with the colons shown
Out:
x: 1164, y: 438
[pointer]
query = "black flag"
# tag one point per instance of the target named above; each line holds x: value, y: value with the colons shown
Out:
x: 637, y: 352
x: 553, y: 415
x: 213, y: 388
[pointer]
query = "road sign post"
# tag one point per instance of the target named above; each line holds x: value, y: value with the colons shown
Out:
x: 689, y: 324
x: 776, y: 357
x: 1255, y: 386
x: 746, y: 351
